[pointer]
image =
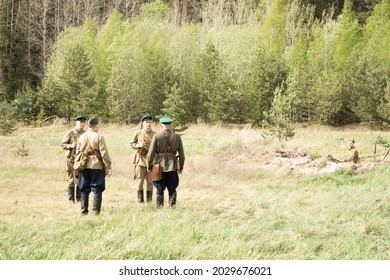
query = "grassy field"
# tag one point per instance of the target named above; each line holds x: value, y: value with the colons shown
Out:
x: 228, y: 207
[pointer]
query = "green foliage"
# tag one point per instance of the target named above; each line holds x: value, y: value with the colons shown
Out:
x: 299, y: 95
x: 377, y: 33
x: 26, y: 104
x: 21, y: 150
x: 384, y: 107
x: 273, y: 29
x: 368, y: 85
x: 76, y: 83
x: 107, y: 47
x: 267, y: 74
x: 157, y: 10
x: 382, y: 141
x: 278, y: 120
x: 8, y: 122
x: 183, y: 53
x: 157, y: 76
x: 347, y: 36
x: 212, y: 76
x: 328, y: 101
x: 40, y: 117
x: 69, y: 87
x: 176, y: 106
x: 224, y: 71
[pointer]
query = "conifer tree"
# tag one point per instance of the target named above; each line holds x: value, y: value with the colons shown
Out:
x: 76, y: 84
x: 211, y: 69
x: 8, y: 123
x: 176, y: 106
x: 278, y: 120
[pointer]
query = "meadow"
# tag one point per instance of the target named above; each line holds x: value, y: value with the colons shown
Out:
x: 227, y: 208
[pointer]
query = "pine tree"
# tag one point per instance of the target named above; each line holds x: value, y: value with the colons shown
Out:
x: 176, y: 106
x: 278, y: 120
x: 76, y: 84
x: 8, y: 123
x: 212, y: 84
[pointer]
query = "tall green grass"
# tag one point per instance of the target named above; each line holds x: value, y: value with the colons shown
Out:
x: 228, y: 207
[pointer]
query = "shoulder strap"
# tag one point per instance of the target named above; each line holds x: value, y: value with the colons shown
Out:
x: 166, y: 149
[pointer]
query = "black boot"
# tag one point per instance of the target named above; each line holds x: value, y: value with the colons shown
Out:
x: 71, y: 194
x: 140, y: 195
x: 172, y: 200
x: 149, y: 196
x: 160, y: 201
x: 78, y: 194
x: 84, y: 205
x: 97, y: 204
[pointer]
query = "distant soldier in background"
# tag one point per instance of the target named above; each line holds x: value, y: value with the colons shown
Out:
x: 141, y: 142
x: 353, y: 152
x: 93, y: 177
x: 165, y: 144
x: 69, y: 144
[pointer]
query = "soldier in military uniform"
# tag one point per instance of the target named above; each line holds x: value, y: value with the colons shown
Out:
x: 69, y: 144
x: 353, y: 152
x: 98, y: 166
x: 141, y: 142
x: 163, y: 149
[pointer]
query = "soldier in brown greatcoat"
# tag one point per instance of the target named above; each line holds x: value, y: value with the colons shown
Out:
x: 69, y: 143
x: 141, y: 142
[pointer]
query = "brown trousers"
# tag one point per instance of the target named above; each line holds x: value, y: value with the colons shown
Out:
x: 141, y: 174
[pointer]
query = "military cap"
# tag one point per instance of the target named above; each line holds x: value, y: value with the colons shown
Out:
x: 146, y: 117
x: 93, y: 121
x: 166, y: 120
x: 80, y: 118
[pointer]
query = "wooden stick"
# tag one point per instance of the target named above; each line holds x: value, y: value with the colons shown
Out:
x: 387, y: 152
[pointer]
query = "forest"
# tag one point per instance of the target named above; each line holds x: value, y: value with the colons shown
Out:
x: 258, y: 62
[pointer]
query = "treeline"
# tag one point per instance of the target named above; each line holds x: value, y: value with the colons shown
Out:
x: 227, y: 61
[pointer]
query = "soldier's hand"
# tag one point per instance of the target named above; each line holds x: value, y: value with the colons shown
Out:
x: 109, y: 172
x: 71, y: 146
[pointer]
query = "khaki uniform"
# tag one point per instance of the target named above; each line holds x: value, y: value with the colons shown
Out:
x: 71, y: 137
x: 163, y: 149
x: 96, y: 142
x: 92, y: 178
x: 139, y: 160
x: 353, y: 156
x: 158, y: 152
